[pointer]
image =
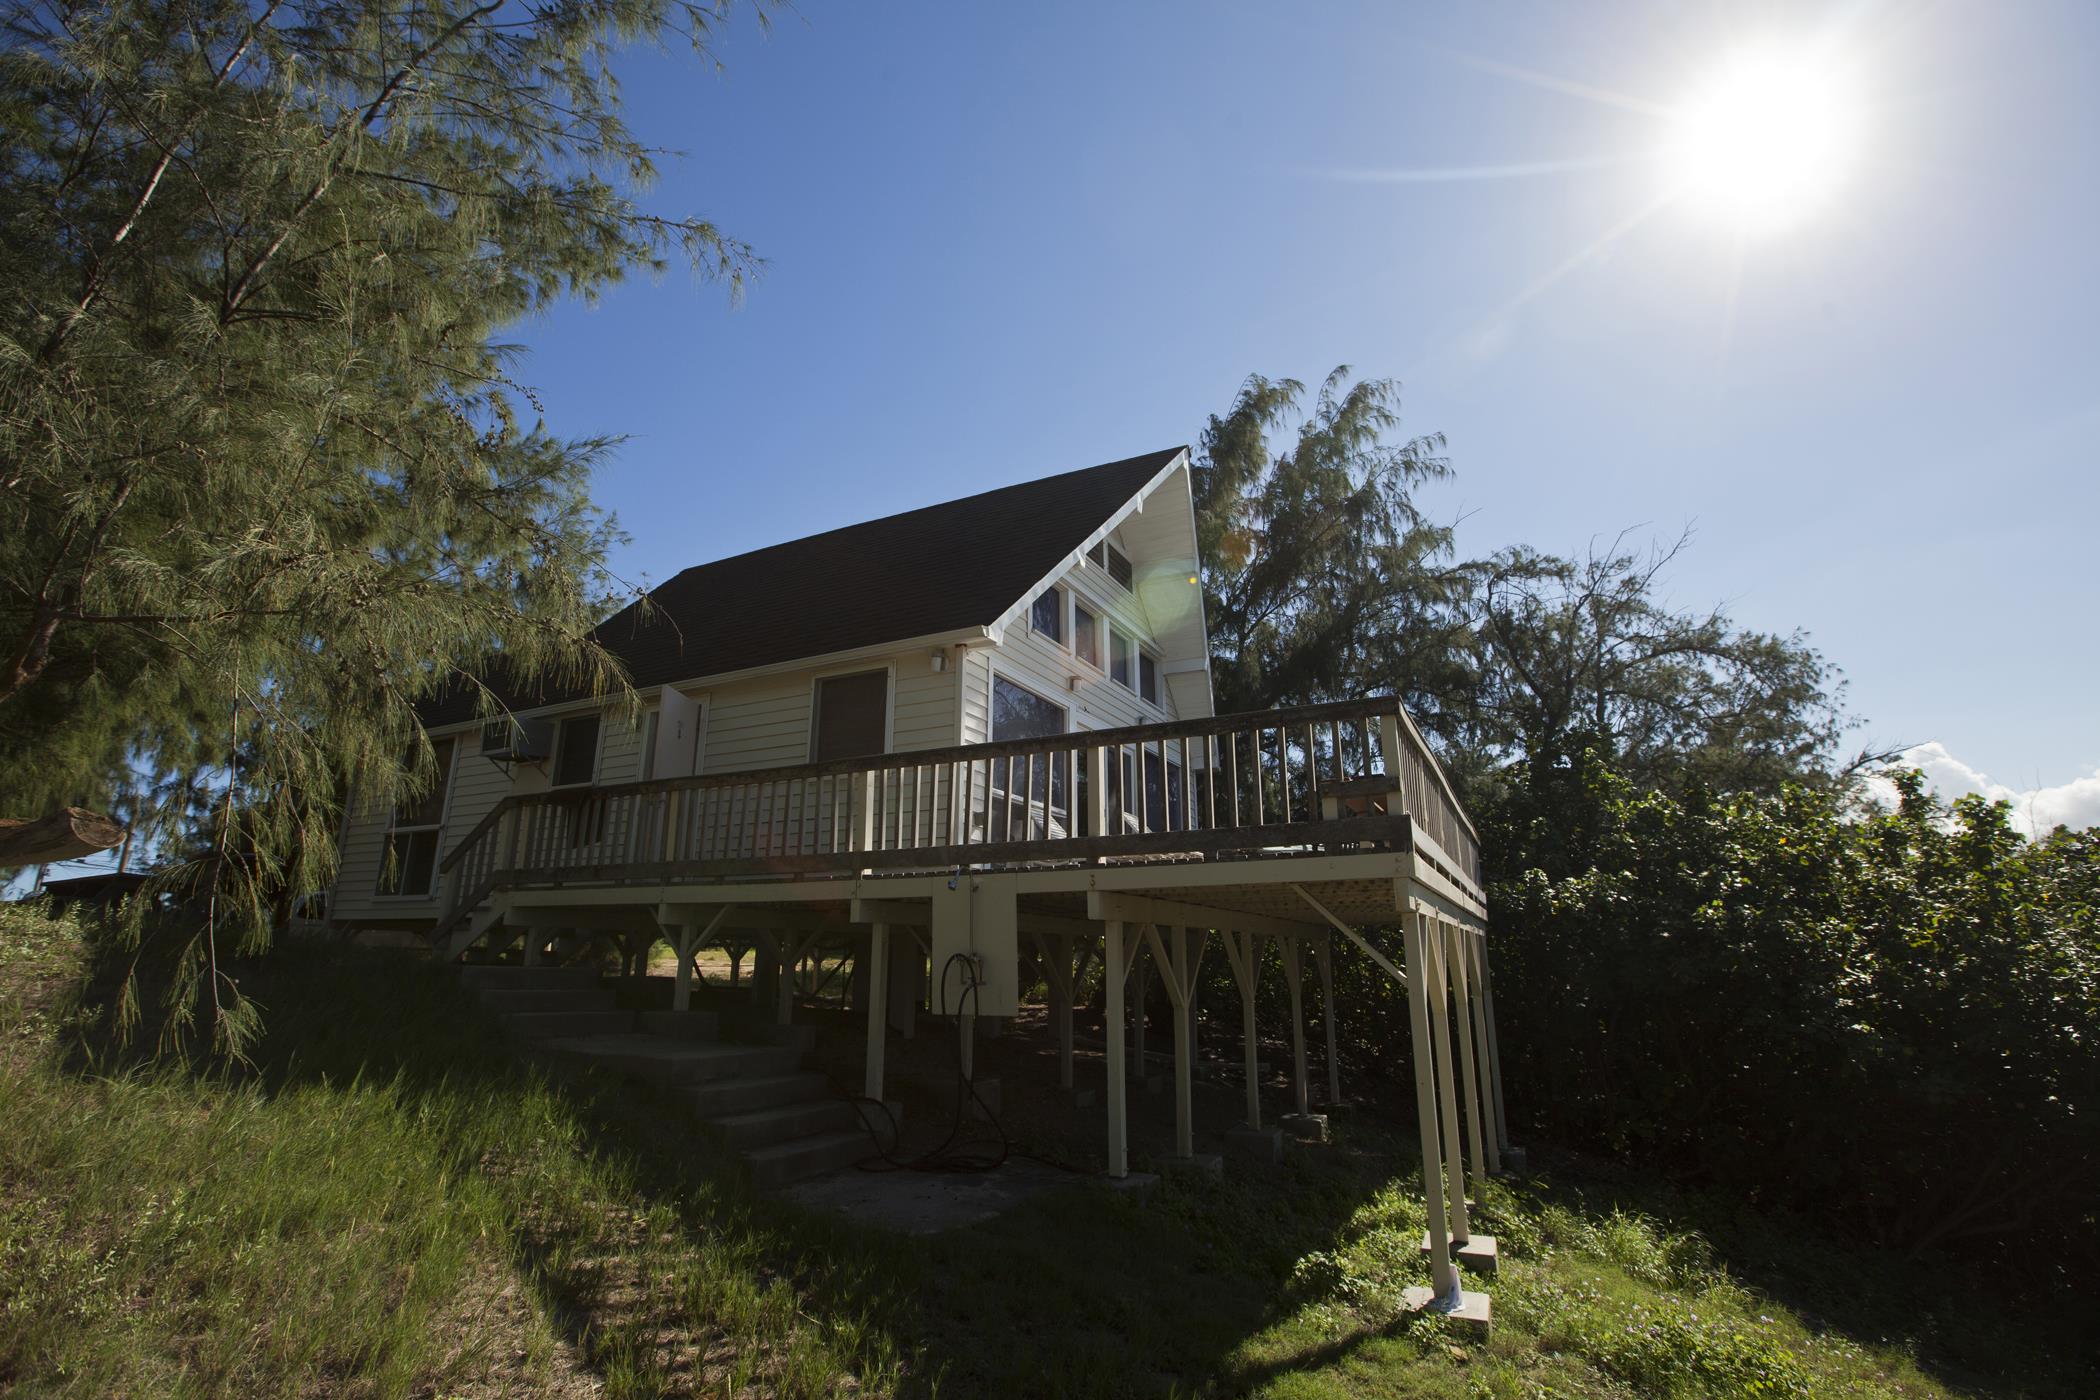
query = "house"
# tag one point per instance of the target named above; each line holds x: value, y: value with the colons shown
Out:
x: 943, y: 739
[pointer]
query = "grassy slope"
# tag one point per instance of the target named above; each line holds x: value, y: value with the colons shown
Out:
x: 391, y: 1205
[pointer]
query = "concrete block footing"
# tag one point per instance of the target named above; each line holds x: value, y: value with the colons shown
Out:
x: 1478, y: 1253
x: 1080, y: 1096
x: 1305, y: 1127
x: 1514, y: 1162
x: 1255, y: 1144
x: 1208, y: 1165
x: 1469, y: 1311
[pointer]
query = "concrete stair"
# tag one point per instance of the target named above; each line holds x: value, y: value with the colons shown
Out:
x: 785, y: 1122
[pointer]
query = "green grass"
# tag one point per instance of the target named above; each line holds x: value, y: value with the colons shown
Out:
x: 390, y: 1204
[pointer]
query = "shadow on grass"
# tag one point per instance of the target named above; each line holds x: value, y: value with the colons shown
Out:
x: 1076, y: 1292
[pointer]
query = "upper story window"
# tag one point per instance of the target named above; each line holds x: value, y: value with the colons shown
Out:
x: 1086, y: 634
x: 410, y: 865
x: 576, y: 751
x: 1048, y: 614
x: 852, y: 718
x: 1112, y: 559
x: 1148, y: 676
x: 1122, y: 656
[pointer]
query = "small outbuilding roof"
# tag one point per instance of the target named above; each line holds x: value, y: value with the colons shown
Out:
x: 935, y: 570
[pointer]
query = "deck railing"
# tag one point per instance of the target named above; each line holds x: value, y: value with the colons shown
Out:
x: 1231, y: 785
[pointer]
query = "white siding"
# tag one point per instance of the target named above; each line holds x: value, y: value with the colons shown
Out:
x: 1047, y: 667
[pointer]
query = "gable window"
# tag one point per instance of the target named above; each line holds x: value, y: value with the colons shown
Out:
x: 1148, y: 676
x: 1114, y: 560
x: 1048, y: 614
x: 410, y: 866
x: 1086, y: 634
x: 576, y: 751
x: 852, y: 716
x: 1121, y: 654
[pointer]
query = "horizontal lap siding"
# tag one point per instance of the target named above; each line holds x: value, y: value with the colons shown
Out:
x: 477, y: 786
x: 1028, y: 658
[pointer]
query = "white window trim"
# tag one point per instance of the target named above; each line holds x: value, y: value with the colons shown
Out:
x: 386, y: 833
x: 889, y: 703
x: 1064, y: 616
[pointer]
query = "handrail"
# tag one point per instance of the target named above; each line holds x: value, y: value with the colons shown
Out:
x: 1144, y: 781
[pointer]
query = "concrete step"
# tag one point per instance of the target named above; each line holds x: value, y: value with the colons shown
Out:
x: 724, y: 1096
x: 781, y: 1123
x: 670, y: 1061
x: 784, y: 1162
x: 508, y: 999
x: 682, y: 1025
x: 553, y: 1025
x: 491, y: 976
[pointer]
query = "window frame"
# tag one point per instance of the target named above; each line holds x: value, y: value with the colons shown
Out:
x: 889, y: 705
x: 1099, y: 620
x: 1063, y: 595
x: 999, y: 780
x: 435, y: 831
x: 561, y: 750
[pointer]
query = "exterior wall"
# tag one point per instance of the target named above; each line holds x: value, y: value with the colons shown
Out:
x: 1047, y: 667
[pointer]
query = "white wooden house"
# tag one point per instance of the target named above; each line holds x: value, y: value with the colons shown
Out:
x: 942, y: 738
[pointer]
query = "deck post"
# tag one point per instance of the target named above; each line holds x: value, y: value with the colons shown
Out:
x: 1469, y: 944
x: 1323, y: 959
x: 1294, y: 976
x: 1487, y: 1006
x: 1243, y: 950
x: 1170, y: 949
x: 1454, y: 942
x: 1443, y: 1274
x: 682, y: 982
x: 878, y: 1006
x: 1439, y: 993
x: 1112, y: 965
x: 1061, y: 993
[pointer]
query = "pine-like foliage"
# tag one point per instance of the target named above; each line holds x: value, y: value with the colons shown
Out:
x: 267, y: 477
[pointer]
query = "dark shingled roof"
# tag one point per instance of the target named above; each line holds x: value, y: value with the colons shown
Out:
x: 938, y: 569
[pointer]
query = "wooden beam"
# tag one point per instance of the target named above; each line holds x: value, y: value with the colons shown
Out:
x: 889, y: 911
x: 1144, y: 909
x: 1353, y: 936
x: 1118, y: 1127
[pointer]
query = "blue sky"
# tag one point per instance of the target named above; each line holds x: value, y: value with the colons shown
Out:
x: 1003, y: 241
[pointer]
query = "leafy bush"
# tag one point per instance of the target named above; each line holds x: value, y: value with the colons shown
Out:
x: 1887, y: 1019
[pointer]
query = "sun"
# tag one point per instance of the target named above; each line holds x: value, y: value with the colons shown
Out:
x: 1766, y: 140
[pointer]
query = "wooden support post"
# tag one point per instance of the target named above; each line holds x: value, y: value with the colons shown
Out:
x: 1112, y: 967
x: 682, y: 941
x: 1487, y: 1006
x: 1443, y: 1274
x: 1454, y: 943
x: 1170, y: 949
x: 1059, y: 966
x: 1137, y: 1019
x: 1447, y: 1097
x: 878, y: 1006
x: 1294, y: 977
x: 1323, y: 959
x: 535, y: 944
x: 1243, y: 950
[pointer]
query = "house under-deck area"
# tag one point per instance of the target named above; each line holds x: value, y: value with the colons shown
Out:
x: 952, y: 871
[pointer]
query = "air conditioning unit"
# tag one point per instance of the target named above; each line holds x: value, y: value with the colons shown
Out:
x: 512, y: 740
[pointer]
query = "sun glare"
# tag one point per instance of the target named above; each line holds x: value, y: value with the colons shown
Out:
x: 1765, y: 142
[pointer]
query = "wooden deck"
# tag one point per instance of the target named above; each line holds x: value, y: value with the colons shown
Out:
x: 1274, y: 786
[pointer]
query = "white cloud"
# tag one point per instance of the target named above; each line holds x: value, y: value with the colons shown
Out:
x: 2034, y: 810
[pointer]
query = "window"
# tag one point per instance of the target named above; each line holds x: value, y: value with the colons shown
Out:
x: 1148, y: 676
x: 1114, y: 560
x: 1086, y: 635
x: 851, y: 718
x: 1120, y: 651
x: 649, y: 729
x: 1020, y: 713
x: 411, y: 860
x: 576, y: 751
x: 1048, y: 614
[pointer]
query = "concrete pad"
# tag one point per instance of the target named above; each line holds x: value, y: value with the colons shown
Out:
x: 1305, y: 1127
x: 1468, y: 1311
x: 1479, y: 1253
x: 927, y: 1203
x: 1254, y: 1144
x: 1204, y: 1164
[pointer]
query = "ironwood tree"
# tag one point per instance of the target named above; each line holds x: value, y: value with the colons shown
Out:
x: 269, y: 475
